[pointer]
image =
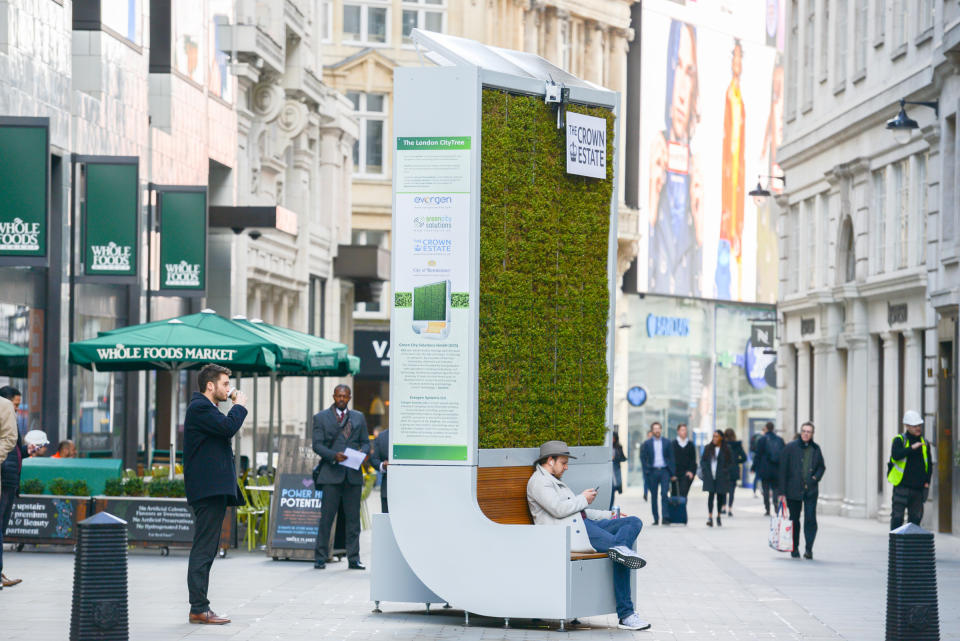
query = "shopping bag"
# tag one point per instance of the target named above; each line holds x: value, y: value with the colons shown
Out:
x: 781, y: 529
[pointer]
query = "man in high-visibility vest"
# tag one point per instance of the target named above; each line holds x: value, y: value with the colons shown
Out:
x: 909, y: 471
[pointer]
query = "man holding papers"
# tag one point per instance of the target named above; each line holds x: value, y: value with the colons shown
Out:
x: 338, y: 434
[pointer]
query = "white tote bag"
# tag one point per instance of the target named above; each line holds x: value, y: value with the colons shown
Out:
x: 781, y: 529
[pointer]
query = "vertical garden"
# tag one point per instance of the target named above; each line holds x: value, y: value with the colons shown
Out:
x: 544, y: 293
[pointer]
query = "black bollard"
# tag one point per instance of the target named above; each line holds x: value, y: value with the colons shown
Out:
x: 912, y: 613
x: 100, y: 581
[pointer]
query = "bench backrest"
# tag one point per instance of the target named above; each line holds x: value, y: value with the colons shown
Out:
x: 502, y: 494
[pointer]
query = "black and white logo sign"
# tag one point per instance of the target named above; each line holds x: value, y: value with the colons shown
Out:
x: 586, y: 145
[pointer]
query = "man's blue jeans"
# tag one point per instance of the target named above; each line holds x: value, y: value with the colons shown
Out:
x: 659, y: 478
x: 610, y: 533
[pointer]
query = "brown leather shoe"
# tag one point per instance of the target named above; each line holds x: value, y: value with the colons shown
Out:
x: 208, y: 618
x: 9, y: 583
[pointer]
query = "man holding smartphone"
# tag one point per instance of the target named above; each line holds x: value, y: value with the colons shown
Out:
x: 551, y: 502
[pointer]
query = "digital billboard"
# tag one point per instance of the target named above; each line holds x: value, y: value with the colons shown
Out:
x: 712, y: 119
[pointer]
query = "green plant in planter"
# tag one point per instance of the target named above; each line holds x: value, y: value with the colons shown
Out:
x: 78, y: 488
x: 60, y: 486
x: 544, y: 297
x: 113, y: 487
x: 133, y: 486
x: 158, y: 487
x: 31, y: 486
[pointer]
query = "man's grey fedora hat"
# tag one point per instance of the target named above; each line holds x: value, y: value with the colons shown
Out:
x: 554, y: 448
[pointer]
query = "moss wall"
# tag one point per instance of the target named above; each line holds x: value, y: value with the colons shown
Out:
x: 543, y: 280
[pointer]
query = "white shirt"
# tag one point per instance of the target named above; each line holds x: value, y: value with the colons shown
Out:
x: 682, y: 443
x: 713, y: 464
x: 658, y: 453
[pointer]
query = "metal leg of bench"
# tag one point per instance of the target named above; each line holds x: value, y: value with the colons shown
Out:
x: 376, y: 607
x: 506, y: 622
x: 562, y: 622
x: 428, y: 607
x: 466, y: 618
x: 575, y: 622
x: 447, y: 606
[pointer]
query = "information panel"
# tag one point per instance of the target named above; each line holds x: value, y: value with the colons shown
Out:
x: 297, y: 515
x: 431, y: 388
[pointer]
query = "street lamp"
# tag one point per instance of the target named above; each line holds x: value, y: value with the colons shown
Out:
x: 903, y: 125
x: 760, y: 192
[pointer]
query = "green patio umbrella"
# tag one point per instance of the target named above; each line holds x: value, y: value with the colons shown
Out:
x: 13, y: 360
x: 174, y: 345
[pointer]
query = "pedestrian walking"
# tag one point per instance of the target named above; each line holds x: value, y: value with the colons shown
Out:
x: 715, y: 466
x: 909, y: 471
x: 739, y: 457
x: 380, y: 460
x: 766, y: 459
x: 801, y: 468
x: 210, y: 477
x: 10, y: 455
x: 685, y: 460
x: 643, y: 471
x: 656, y: 458
x: 753, y: 460
x: 336, y: 429
x: 618, y: 458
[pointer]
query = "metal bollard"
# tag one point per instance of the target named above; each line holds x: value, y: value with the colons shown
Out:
x: 99, y: 610
x: 912, y: 613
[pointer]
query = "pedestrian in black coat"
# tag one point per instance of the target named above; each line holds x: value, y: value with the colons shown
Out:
x: 766, y: 461
x: 801, y: 468
x: 715, y: 465
x: 739, y: 457
x: 210, y: 477
x: 334, y: 430
x: 685, y: 460
x: 380, y: 460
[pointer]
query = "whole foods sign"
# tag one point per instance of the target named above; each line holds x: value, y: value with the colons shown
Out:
x: 183, y: 239
x: 110, y: 216
x: 24, y: 190
x: 122, y: 352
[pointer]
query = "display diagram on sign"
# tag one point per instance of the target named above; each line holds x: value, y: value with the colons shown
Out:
x: 431, y: 412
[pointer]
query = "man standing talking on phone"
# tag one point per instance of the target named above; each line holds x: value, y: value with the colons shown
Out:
x: 210, y: 478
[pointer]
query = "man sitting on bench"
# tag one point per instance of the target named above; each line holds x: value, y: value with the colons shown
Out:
x: 553, y: 503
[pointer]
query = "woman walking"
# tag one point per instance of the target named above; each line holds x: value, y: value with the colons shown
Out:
x: 618, y: 458
x: 715, y: 466
x: 739, y: 456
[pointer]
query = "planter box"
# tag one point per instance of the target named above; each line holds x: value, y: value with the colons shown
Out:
x: 161, y: 522
x: 45, y: 518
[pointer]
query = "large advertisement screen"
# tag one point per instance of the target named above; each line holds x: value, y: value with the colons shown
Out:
x: 711, y: 105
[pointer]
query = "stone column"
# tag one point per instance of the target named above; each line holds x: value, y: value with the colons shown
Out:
x: 828, y: 417
x: 804, y: 358
x: 532, y: 19
x: 856, y: 463
x: 874, y: 416
x: 891, y: 422
x: 593, y: 52
x: 913, y: 376
x: 786, y: 374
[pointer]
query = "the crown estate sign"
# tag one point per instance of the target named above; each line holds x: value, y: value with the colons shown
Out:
x: 110, y: 218
x: 183, y: 239
x: 24, y: 185
x: 586, y: 145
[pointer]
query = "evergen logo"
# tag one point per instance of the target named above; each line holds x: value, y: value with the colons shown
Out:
x: 111, y: 257
x: 19, y: 236
x: 182, y: 274
x: 432, y: 201
x: 123, y: 353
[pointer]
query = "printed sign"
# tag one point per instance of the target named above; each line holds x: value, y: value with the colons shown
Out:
x: 43, y: 517
x: 586, y: 145
x: 297, y: 515
x: 24, y: 183
x: 110, y: 219
x: 168, y: 520
x: 183, y: 239
x: 373, y: 349
x: 430, y: 410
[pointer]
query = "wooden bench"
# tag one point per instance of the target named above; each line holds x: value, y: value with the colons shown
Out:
x: 502, y: 496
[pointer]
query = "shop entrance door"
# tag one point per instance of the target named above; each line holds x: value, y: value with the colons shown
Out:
x: 947, y: 380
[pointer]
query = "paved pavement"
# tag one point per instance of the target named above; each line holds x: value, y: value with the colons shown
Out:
x: 701, y: 583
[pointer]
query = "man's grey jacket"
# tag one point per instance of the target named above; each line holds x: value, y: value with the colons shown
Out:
x: 328, y: 439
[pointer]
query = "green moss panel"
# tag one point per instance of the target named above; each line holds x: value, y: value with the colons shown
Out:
x: 544, y: 294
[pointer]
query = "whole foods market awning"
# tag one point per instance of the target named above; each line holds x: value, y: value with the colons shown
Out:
x: 13, y: 360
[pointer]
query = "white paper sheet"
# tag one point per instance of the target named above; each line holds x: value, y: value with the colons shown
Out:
x: 354, y: 458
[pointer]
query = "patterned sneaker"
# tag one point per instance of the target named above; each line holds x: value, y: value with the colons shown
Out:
x: 625, y: 556
x: 633, y: 622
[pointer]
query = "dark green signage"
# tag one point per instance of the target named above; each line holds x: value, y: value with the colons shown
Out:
x: 24, y: 183
x: 110, y: 221
x: 183, y: 239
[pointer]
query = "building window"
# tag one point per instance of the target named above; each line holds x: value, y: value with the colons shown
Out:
x: 860, y: 41
x: 925, y: 16
x: 426, y: 15
x: 899, y: 26
x: 376, y: 239
x: 901, y: 212
x: 840, y: 45
x: 810, y: 258
x: 921, y: 191
x: 808, y: 34
x: 824, y: 40
x: 792, y: 59
x: 368, y: 149
x: 879, y: 22
x: 880, y: 216
x: 565, y: 45
x: 123, y: 18
x: 326, y: 21
x: 822, y: 244
x: 365, y: 23
x: 794, y: 257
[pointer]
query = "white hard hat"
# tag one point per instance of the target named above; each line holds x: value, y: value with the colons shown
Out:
x: 912, y: 417
x: 36, y: 437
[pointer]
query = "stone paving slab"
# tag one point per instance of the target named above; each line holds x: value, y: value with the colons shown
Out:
x: 700, y: 583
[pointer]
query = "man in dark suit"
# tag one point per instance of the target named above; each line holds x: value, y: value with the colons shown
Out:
x: 210, y: 478
x: 334, y: 430
x: 656, y: 459
x: 380, y: 459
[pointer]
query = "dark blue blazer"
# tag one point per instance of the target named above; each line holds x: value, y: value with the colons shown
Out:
x: 208, y: 463
x: 646, y: 456
x: 380, y: 453
x: 328, y: 439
